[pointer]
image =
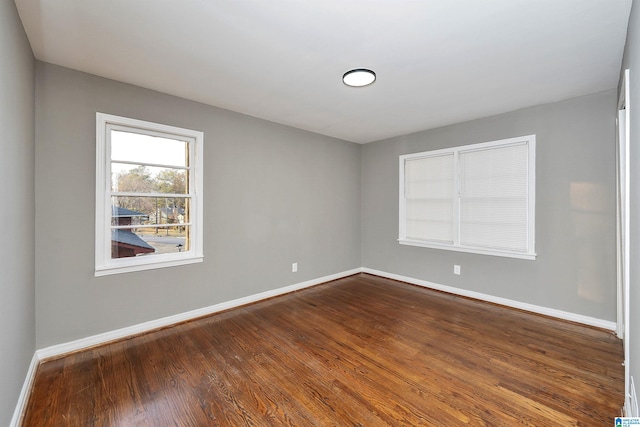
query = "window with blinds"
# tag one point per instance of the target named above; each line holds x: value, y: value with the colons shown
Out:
x: 477, y: 198
x: 429, y: 194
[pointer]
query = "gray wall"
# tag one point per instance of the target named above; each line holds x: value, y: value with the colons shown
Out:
x: 632, y: 61
x: 17, y: 301
x: 575, y: 210
x: 273, y: 195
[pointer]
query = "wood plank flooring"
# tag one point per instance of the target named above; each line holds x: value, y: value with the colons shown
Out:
x: 359, y: 351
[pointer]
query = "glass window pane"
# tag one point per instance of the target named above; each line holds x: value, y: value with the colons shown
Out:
x: 498, y: 171
x: 499, y: 223
x: 145, y: 210
x: 137, y: 148
x: 148, y: 179
x: 494, y: 199
x: 161, y: 230
x: 127, y: 243
x: 429, y: 194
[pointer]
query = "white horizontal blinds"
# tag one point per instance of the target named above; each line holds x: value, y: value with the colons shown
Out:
x: 494, y: 197
x: 430, y: 198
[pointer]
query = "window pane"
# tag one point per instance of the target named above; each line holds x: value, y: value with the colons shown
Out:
x: 498, y: 171
x: 161, y: 228
x: 127, y: 243
x: 137, y: 148
x: 145, y: 210
x: 494, y: 199
x: 494, y: 223
x: 429, y: 194
x: 147, y: 179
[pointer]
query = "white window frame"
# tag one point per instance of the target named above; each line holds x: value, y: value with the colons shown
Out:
x: 529, y: 254
x: 104, y: 264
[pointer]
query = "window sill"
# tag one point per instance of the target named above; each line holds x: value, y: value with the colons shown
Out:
x: 472, y: 250
x: 137, y: 266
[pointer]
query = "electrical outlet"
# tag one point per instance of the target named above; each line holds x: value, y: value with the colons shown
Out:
x: 294, y: 267
x: 456, y: 269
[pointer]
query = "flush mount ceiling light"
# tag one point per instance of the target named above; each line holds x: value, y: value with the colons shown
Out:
x: 359, y: 77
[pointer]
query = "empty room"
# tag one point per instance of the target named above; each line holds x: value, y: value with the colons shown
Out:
x: 315, y: 213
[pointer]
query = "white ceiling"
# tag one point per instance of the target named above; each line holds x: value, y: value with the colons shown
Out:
x: 438, y: 62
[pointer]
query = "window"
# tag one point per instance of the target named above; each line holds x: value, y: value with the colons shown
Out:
x: 148, y: 195
x: 477, y: 198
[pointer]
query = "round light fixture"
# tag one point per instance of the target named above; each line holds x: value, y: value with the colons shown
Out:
x: 359, y: 77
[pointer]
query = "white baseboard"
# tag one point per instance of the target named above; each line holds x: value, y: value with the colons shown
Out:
x: 64, y: 348
x: 83, y: 343
x: 573, y: 317
x: 24, y: 393
x: 91, y: 341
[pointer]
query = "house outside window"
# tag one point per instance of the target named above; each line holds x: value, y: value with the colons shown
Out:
x: 476, y: 198
x: 148, y: 195
x: 125, y: 242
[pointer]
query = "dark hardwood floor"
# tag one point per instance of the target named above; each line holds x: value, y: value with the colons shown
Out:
x: 359, y: 351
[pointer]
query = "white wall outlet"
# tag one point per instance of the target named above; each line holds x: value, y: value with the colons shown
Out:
x: 294, y: 267
x: 456, y: 269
